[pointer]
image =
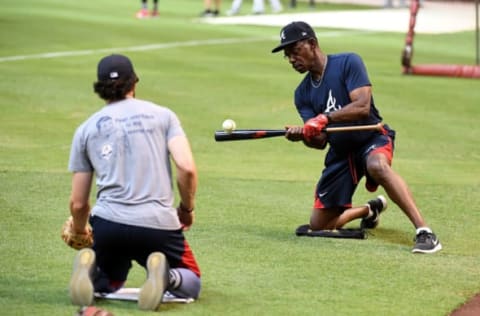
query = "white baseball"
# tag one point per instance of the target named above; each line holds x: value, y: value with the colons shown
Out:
x: 229, y: 125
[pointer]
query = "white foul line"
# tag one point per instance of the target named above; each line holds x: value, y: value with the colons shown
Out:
x: 220, y: 41
x: 131, y: 48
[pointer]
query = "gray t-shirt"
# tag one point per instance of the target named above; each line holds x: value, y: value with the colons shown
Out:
x: 125, y: 144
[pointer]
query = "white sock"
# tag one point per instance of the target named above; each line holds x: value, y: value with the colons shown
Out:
x: 370, y: 212
x: 175, y: 279
x: 426, y: 229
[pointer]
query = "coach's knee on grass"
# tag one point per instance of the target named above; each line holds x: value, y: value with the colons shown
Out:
x: 323, y: 219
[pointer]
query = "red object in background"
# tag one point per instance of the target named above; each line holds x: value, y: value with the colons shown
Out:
x: 459, y: 71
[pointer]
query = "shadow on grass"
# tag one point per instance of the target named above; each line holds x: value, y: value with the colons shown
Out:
x: 208, y: 297
x: 391, y: 236
x: 277, y: 233
x: 280, y: 233
x: 130, y: 307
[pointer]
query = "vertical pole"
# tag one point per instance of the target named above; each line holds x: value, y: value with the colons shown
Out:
x: 477, y: 32
x: 407, y: 52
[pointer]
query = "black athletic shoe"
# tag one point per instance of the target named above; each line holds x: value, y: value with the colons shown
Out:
x: 207, y: 13
x: 377, y: 206
x: 426, y: 242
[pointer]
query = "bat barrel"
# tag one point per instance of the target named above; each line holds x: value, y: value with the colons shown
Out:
x: 247, y: 134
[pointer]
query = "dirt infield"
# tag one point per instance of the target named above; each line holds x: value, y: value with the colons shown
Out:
x: 470, y: 308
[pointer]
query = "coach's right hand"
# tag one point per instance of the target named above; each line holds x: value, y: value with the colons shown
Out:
x: 314, y: 126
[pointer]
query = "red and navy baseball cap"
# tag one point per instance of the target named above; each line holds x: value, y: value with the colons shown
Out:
x: 292, y: 33
x: 114, y: 67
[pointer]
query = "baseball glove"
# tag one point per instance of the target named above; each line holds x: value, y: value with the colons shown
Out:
x: 76, y: 240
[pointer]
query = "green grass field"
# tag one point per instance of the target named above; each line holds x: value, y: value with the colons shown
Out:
x: 252, y: 195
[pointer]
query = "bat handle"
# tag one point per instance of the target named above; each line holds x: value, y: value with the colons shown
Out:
x: 372, y: 127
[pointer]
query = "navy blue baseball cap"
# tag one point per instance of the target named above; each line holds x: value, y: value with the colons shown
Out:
x: 292, y: 33
x: 114, y: 67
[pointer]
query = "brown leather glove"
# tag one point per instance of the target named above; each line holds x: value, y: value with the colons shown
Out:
x: 76, y: 240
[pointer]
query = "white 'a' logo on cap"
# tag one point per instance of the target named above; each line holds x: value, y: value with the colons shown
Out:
x: 282, y: 35
x: 304, y: 33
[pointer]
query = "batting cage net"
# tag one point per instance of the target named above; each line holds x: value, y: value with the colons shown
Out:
x: 449, y: 70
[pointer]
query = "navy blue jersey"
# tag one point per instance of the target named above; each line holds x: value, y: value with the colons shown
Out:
x: 343, y: 73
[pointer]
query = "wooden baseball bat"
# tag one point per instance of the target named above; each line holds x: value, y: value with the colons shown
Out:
x: 245, y: 134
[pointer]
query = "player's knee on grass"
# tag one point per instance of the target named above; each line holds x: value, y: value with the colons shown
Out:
x: 184, y: 283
